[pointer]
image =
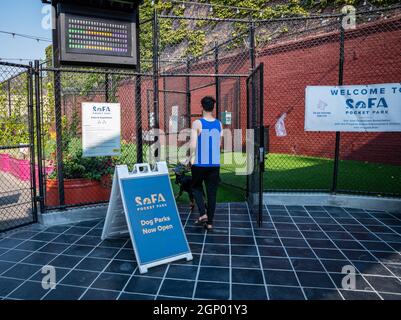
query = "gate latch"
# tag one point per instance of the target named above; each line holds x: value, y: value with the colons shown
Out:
x: 261, y: 154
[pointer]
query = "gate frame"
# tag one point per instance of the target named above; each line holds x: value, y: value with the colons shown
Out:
x: 30, y: 123
x: 259, y: 141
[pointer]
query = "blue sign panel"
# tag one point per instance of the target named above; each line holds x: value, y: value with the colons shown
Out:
x: 153, y: 218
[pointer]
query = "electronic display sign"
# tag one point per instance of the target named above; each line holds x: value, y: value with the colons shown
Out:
x: 95, y: 37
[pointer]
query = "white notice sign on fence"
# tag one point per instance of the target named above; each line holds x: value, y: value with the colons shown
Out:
x: 363, y: 108
x: 101, y: 129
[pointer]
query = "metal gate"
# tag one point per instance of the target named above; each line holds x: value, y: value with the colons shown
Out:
x: 17, y: 152
x: 175, y: 110
x: 254, y: 88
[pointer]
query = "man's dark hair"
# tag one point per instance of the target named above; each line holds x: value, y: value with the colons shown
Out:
x: 208, y: 103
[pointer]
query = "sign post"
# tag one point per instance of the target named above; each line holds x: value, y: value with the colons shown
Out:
x: 142, y: 204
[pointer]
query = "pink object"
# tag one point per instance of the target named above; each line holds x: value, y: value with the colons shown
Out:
x: 49, y: 169
x: 20, y: 168
x: 4, y: 162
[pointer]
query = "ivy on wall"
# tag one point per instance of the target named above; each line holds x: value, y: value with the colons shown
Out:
x: 194, y: 34
x: 310, y: 4
x: 192, y: 37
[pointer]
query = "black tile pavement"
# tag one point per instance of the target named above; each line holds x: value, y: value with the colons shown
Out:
x: 299, y: 253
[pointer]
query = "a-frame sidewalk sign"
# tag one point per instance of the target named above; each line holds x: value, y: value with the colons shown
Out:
x: 142, y: 204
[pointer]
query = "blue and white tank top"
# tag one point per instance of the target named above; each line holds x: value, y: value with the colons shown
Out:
x: 208, y: 144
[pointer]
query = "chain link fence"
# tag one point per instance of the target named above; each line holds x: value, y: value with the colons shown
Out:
x: 297, y: 160
x: 296, y: 52
x: 17, y: 178
x: 79, y: 180
x: 299, y: 52
x: 219, y: 71
x: 371, y: 162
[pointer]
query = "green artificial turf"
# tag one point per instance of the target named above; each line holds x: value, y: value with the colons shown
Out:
x: 312, y: 173
x: 292, y: 172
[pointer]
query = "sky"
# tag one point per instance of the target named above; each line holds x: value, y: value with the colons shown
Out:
x: 22, y: 16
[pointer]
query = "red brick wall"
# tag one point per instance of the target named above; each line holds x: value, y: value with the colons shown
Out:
x: 126, y: 97
x: 372, y: 55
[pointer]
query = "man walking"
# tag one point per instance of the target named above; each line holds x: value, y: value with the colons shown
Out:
x: 205, y: 159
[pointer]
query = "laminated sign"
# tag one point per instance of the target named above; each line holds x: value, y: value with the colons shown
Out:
x: 142, y: 204
x: 226, y: 118
x: 101, y: 129
x: 359, y: 108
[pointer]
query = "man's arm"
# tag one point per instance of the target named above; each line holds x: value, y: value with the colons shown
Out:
x: 221, y: 134
x: 195, y: 131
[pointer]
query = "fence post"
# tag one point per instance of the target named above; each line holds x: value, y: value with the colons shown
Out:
x: 216, y: 79
x: 106, y: 87
x: 188, y: 91
x: 9, y: 98
x: 59, y: 137
x: 39, y: 136
x: 32, y: 140
x: 58, y: 120
x: 238, y: 104
x: 138, y: 104
x: 138, y: 99
x: 252, y: 115
x: 155, y: 74
x: 165, y: 119
x: 252, y: 45
x: 338, y: 136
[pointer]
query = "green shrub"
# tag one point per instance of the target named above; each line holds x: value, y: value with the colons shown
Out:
x: 76, y: 166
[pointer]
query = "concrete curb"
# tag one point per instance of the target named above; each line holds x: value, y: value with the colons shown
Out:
x: 326, y: 199
x: 73, y: 215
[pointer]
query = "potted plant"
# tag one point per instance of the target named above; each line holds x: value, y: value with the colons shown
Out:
x: 85, y: 179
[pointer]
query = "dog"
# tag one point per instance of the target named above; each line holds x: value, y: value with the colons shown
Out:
x: 185, y: 183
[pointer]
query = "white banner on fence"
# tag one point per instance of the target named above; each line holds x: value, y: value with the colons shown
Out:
x: 362, y: 108
x: 101, y: 129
